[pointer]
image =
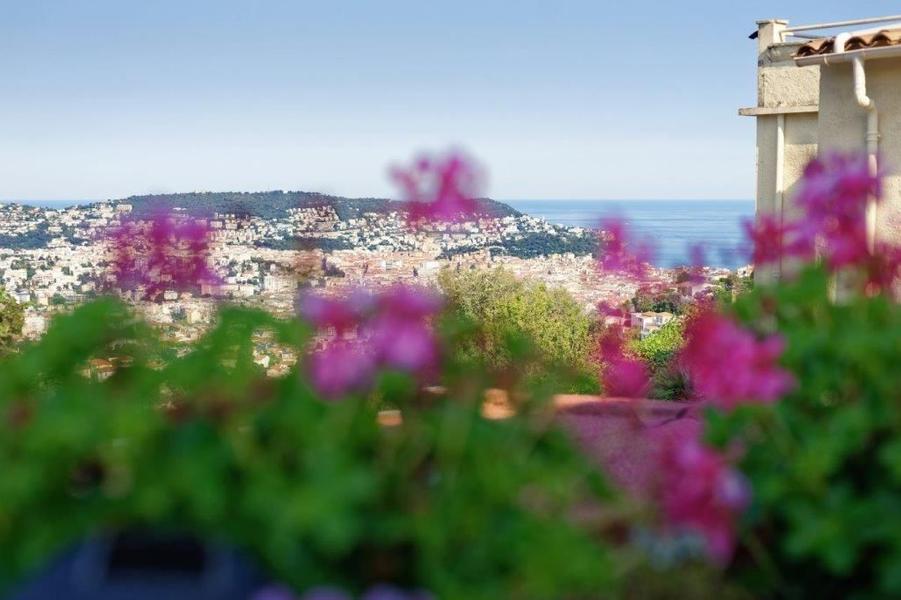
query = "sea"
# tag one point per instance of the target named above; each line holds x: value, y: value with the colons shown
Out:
x: 671, y: 226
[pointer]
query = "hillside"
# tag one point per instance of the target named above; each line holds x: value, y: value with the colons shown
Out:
x: 274, y: 204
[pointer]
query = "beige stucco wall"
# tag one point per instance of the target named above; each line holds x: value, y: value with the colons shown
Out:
x: 842, y: 126
x: 783, y: 88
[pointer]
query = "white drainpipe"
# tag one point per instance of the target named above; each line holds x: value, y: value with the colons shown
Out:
x: 780, y: 174
x: 865, y: 102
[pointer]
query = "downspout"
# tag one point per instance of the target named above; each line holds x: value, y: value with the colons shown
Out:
x: 865, y: 102
x: 780, y: 175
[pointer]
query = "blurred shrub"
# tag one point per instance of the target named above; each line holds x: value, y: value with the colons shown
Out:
x: 659, y: 351
x: 12, y: 318
x: 504, y: 308
x: 824, y: 462
x: 317, y: 490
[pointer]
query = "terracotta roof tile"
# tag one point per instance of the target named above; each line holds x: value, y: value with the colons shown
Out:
x: 884, y: 37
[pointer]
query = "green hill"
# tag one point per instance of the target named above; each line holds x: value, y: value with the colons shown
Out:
x: 274, y: 204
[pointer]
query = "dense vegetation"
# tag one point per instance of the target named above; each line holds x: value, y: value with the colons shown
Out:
x: 306, y: 243
x: 659, y: 351
x: 505, y: 309
x: 275, y: 204
x: 12, y: 318
x: 786, y: 485
x: 825, y: 462
x: 33, y: 239
x: 317, y: 491
x: 533, y: 245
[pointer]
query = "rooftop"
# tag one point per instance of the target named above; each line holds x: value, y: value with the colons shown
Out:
x: 860, y: 41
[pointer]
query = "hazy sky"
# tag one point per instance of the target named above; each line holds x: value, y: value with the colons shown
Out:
x: 559, y: 99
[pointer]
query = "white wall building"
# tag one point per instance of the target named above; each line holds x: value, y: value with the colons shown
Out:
x: 823, y: 87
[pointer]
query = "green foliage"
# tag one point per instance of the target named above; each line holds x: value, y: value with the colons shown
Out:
x: 825, y: 461
x: 658, y: 350
x: 57, y: 300
x: 534, y: 244
x: 651, y: 300
x: 12, y: 318
x: 319, y: 492
x: 730, y: 287
x: 503, y: 309
x: 38, y: 237
x: 275, y: 204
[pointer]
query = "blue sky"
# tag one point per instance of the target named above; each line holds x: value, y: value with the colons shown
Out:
x: 564, y: 99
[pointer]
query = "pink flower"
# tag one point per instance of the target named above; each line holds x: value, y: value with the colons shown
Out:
x: 341, y: 368
x: 883, y: 269
x: 440, y: 188
x: 728, y: 366
x: 699, y: 492
x: 622, y: 376
x: 834, y: 194
x: 406, y: 345
x: 618, y: 255
x: 400, y: 336
x: 166, y: 252
x: 341, y: 314
x: 774, y: 241
x: 608, y: 310
x: 409, y: 302
x: 626, y: 378
x: 394, y: 333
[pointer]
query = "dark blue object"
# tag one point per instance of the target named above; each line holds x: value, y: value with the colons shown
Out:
x: 141, y: 565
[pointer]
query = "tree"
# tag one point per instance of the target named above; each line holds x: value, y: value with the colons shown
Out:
x: 659, y: 350
x: 12, y: 318
x: 550, y: 321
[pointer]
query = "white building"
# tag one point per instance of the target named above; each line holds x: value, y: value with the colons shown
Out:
x: 823, y: 87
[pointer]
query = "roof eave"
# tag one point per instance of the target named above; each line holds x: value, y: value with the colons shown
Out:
x: 848, y: 56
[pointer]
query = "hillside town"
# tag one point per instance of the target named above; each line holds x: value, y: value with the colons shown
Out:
x: 51, y: 260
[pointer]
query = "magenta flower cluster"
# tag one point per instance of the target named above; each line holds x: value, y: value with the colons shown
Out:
x: 621, y: 253
x: 389, y: 330
x: 700, y: 492
x: 166, y: 252
x: 728, y: 365
x: 440, y: 188
x: 833, y: 195
x: 622, y: 376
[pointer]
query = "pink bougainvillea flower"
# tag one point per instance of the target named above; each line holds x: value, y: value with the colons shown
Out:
x: 393, y: 330
x: 620, y: 254
x: 883, y: 269
x: 700, y: 492
x: 608, y: 310
x: 341, y: 368
x: 341, y: 314
x: 165, y: 253
x: 774, y: 241
x: 128, y: 265
x: 401, y: 337
x: 409, y: 302
x: 626, y: 377
x: 698, y: 259
x: 406, y: 345
x: 622, y: 376
x: 728, y: 366
x: 834, y: 193
x: 440, y: 188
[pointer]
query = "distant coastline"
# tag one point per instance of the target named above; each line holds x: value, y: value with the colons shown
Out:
x: 673, y: 226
